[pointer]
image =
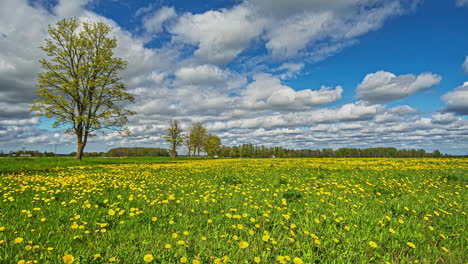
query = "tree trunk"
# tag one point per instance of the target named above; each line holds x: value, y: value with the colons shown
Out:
x: 79, y: 152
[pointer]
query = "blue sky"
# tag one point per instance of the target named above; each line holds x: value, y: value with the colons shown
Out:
x: 300, y: 74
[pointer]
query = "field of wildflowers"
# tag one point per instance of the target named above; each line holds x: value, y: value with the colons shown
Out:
x: 238, y: 211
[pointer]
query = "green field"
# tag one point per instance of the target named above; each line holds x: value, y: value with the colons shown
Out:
x: 234, y: 211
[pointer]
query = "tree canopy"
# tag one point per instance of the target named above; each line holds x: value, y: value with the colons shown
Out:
x: 80, y: 86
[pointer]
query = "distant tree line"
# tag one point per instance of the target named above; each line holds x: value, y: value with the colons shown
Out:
x: 251, y: 151
x: 33, y: 153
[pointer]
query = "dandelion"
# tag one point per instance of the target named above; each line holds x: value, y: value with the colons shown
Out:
x: 183, y: 260
x: 257, y: 260
x: 111, y: 212
x: 18, y: 240
x: 112, y: 259
x: 244, y: 244
x: 68, y: 259
x: 373, y: 244
x: 411, y: 245
x: 22, y: 261
x: 148, y: 258
x: 168, y: 246
x: 27, y: 247
x: 445, y: 249
x: 196, y: 261
x: 391, y: 230
x: 96, y: 256
x: 154, y: 219
x: 298, y: 261
x: 431, y: 228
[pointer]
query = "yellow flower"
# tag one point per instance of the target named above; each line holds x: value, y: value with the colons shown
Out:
x: 431, y: 228
x: 391, y: 230
x: 28, y: 247
x: 244, y: 244
x: 22, y: 261
x: 183, y: 260
x: 265, y: 238
x: 257, y: 259
x: 298, y: 261
x: 445, y: 249
x: 373, y: 244
x: 112, y: 259
x: 154, y: 218
x: 18, y: 240
x: 411, y: 245
x: 2, y: 228
x: 148, y: 258
x: 96, y: 256
x: 68, y: 258
x: 167, y: 246
x: 196, y: 261
x: 180, y: 242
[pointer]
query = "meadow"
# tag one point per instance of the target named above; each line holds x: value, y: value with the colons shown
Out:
x: 236, y: 211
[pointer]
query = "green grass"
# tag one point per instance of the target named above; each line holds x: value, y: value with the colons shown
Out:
x: 314, y: 210
x: 18, y: 164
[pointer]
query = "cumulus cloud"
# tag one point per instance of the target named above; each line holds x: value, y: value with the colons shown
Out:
x: 153, y: 23
x: 286, y: 27
x: 384, y: 86
x: 267, y: 92
x: 201, y: 74
x: 457, y: 100
x: 219, y: 35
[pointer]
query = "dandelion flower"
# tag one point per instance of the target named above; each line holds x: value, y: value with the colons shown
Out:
x: 18, y: 240
x: 298, y: 261
x: 373, y: 244
x: 148, y: 258
x: 411, y: 245
x: 445, y: 249
x: 183, y: 260
x: 68, y: 259
x: 257, y: 260
x: 244, y: 244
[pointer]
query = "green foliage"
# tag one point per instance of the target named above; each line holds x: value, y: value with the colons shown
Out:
x: 197, y: 137
x: 79, y: 86
x: 212, y: 145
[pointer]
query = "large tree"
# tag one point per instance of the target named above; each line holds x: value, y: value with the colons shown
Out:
x: 174, y: 136
x: 212, y: 145
x: 79, y: 86
x: 197, y: 136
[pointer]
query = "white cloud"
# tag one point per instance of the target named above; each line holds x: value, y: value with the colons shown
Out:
x: 457, y: 100
x: 465, y: 64
x: 67, y: 8
x: 153, y: 23
x: 267, y: 92
x: 201, y: 74
x: 384, y: 86
x: 287, y: 27
x: 219, y: 35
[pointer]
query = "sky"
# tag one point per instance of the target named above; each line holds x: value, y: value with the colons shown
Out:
x: 298, y: 74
